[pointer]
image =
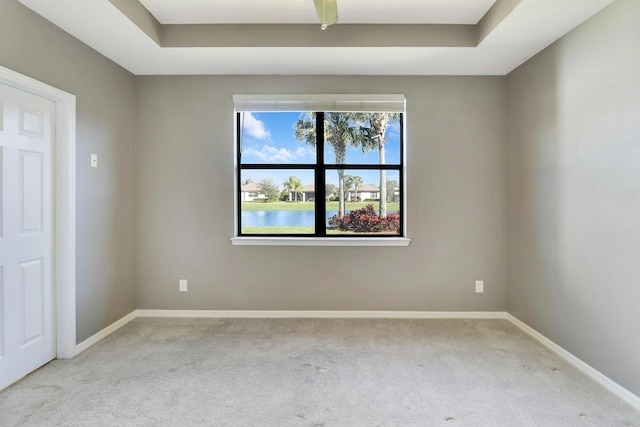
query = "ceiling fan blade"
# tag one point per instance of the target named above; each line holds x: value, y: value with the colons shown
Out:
x: 327, y: 11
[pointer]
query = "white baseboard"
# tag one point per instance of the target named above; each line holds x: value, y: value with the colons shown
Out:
x: 587, y: 369
x: 322, y: 314
x: 94, y: 339
x: 593, y: 373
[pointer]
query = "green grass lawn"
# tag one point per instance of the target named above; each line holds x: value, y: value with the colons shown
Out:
x: 308, y: 206
x: 278, y: 230
x: 296, y: 230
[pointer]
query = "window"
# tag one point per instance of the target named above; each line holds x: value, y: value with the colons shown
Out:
x: 320, y: 166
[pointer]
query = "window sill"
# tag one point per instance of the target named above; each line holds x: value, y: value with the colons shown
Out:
x: 320, y: 241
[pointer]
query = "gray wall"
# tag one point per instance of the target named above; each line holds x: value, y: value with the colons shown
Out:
x: 105, y: 125
x: 574, y: 192
x: 456, y: 194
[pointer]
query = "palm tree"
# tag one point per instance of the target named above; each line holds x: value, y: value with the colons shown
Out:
x: 357, y: 182
x: 341, y: 129
x: 391, y: 186
x: 293, y: 184
x: 348, y: 183
x: 376, y: 137
x: 329, y: 189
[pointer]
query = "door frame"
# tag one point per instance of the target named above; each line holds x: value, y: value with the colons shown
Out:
x: 64, y: 175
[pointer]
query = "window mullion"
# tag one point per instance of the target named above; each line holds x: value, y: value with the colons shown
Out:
x: 321, y: 207
x: 238, y: 174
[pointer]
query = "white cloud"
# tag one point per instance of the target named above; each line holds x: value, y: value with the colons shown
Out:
x: 271, y: 154
x: 303, y: 152
x: 255, y: 127
x: 393, y: 131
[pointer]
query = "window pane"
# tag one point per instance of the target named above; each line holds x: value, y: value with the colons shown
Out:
x: 271, y: 138
x: 360, y: 213
x: 277, y: 201
x: 354, y: 138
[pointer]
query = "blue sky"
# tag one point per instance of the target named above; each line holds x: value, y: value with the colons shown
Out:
x: 269, y: 138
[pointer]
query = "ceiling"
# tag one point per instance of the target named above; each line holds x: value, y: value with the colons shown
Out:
x: 372, y: 37
x: 303, y: 11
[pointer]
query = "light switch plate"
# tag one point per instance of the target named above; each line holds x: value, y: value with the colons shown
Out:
x: 94, y: 160
x: 479, y: 286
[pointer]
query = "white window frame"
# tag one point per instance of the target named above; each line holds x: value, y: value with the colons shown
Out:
x: 319, y: 102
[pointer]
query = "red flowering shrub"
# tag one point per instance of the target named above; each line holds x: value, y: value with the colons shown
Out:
x: 366, y: 220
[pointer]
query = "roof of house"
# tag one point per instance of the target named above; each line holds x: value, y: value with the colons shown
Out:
x: 252, y: 187
x: 309, y: 188
x: 366, y: 187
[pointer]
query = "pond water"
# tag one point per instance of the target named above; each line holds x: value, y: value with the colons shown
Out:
x: 282, y: 218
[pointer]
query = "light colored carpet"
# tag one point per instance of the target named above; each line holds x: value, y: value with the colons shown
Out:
x: 313, y: 372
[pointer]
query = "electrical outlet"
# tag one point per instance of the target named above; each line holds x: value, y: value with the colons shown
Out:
x: 183, y: 285
x: 479, y: 286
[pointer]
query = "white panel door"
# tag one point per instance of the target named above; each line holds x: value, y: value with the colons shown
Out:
x: 27, y: 328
